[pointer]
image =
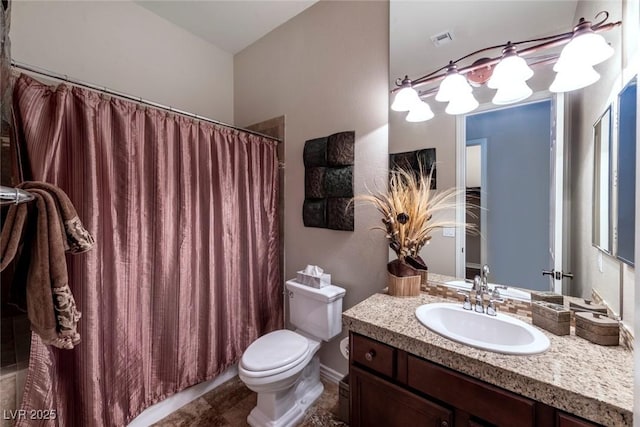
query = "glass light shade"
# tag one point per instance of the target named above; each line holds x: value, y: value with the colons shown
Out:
x: 453, y: 86
x: 420, y: 112
x: 510, y: 93
x: 464, y: 103
x: 586, y: 48
x: 405, y: 99
x: 574, y: 78
x: 509, y: 71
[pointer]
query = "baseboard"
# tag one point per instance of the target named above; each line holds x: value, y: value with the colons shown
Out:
x: 329, y: 374
x: 160, y: 410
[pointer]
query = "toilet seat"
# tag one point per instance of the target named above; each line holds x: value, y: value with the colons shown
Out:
x: 273, y: 353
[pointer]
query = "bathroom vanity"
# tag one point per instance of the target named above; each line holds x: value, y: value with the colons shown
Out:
x: 402, y: 374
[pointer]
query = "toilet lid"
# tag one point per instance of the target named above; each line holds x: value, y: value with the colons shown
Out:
x: 274, y: 350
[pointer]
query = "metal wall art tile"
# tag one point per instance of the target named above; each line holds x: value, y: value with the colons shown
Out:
x: 314, y: 213
x: 328, y: 182
x: 338, y: 216
x: 419, y: 161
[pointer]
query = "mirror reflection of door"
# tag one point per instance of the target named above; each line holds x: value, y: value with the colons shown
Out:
x: 475, y: 157
x: 510, y: 173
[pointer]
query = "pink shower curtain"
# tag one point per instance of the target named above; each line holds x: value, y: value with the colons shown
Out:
x: 185, y: 271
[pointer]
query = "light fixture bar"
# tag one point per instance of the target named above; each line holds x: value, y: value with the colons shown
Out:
x: 555, y: 41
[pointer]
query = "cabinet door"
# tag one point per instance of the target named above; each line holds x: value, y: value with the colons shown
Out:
x: 566, y: 420
x: 483, y: 401
x: 376, y: 402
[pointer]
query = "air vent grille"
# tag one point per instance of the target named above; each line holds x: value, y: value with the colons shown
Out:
x: 442, y: 38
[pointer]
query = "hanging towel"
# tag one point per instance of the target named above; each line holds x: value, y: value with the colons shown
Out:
x: 77, y: 238
x: 52, y: 227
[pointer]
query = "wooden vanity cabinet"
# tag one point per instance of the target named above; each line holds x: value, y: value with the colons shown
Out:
x: 389, y: 387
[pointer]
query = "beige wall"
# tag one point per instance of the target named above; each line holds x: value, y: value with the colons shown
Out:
x: 124, y: 47
x: 326, y: 70
x: 615, y: 283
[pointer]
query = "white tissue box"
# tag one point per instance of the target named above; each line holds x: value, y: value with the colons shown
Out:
x: 315, y: 282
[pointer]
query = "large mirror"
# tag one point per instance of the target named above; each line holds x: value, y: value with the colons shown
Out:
x: 529, y: 166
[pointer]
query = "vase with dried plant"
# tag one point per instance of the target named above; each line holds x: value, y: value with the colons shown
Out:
x: 411, y: 210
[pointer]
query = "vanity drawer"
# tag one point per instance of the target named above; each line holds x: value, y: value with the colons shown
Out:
x: 484, y: 401
x: 566, y: 420
x: 373, y: 355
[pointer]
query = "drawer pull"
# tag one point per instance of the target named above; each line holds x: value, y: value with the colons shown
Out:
x: 370, y: 355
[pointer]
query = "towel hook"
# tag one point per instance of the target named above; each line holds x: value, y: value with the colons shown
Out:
x: 17, y: 196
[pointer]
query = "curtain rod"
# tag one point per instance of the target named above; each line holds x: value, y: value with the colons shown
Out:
x: 76, y: 82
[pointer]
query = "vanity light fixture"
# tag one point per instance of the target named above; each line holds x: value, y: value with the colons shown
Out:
x: 420, y: 112
x: 508, y: 73
x: 406, y: 97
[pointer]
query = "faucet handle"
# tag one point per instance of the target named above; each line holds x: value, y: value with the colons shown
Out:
x: 492, y: 310
x: 467, y: 299
x: 495, y: 293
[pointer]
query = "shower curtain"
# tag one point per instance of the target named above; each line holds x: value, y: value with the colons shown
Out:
x: 185, y: 271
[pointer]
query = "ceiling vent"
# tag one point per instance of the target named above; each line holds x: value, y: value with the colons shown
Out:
x: 442, y: 38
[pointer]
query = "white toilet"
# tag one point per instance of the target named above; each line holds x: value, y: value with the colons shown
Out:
x: 282, y: 366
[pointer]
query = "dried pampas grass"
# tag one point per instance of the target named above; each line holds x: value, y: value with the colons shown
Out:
x: 411, y: 211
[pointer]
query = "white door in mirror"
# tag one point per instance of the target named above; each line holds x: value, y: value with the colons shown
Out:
x: 500, y: 334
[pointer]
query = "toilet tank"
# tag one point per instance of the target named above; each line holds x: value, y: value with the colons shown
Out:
x: 317, y: 312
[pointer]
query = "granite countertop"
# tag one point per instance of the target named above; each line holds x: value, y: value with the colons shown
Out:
x: 574, y: 375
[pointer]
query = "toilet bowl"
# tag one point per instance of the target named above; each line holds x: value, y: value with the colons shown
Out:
x: 282, y: 366
x: 279, y: 402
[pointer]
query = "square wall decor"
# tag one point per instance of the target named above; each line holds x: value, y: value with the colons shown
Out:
x: 328, y: 181
x: 415, y: 161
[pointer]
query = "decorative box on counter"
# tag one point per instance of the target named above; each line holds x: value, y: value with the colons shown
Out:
x: 597, y: 328
x: 554, y: 318
x: 547, y: 296
x: 313, y: 276
x: 579, y: 306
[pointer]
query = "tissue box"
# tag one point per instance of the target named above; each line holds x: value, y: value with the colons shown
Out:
x: 315, y: 282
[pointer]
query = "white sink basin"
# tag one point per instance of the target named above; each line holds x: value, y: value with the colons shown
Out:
x: 500, y: 334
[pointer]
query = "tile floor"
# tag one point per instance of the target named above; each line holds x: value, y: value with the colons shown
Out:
x: 229, y: 405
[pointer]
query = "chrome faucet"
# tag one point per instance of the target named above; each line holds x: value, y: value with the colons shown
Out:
x: 480, y: 287
x: 484, y: 273
x: 480, y: 290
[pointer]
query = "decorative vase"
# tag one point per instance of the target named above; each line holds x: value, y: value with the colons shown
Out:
x: 402, y: 279
x: 418, y: 264
x: 407, y: 286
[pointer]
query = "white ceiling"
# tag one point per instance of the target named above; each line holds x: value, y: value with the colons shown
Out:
x: 475, y: 25
x: 231, y: 25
